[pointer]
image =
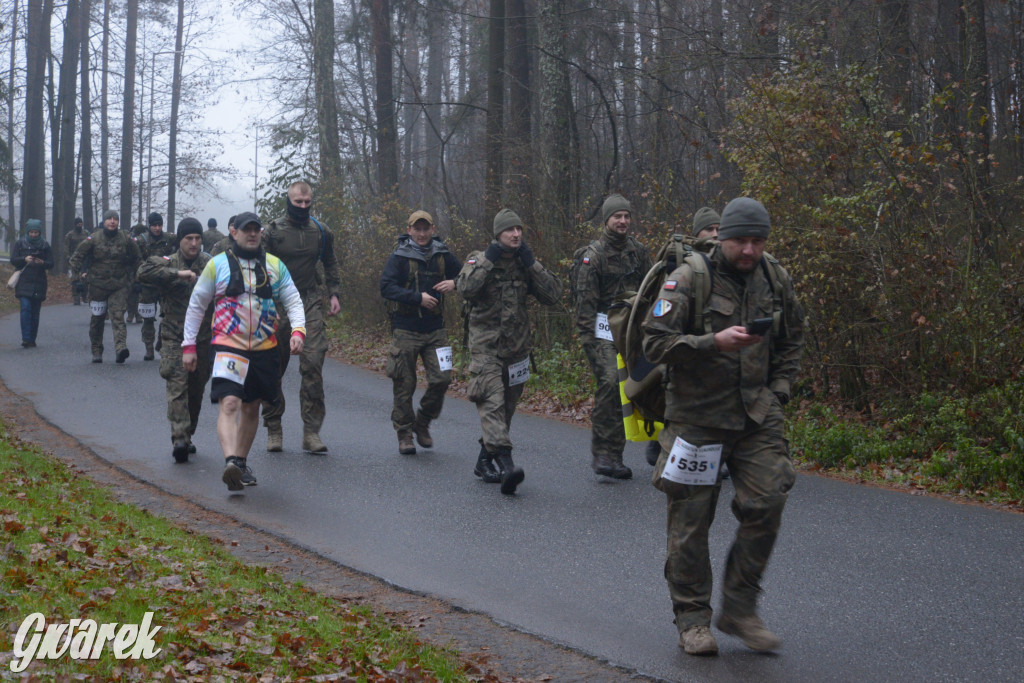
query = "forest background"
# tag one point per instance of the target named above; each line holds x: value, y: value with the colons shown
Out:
x: 886, y: 138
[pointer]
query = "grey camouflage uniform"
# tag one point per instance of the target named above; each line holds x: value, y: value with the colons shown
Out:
x: 611, y: 266
x: 112, y: 260
x: 500, y: 334
x: 731, y: 399
x: 184, y: 389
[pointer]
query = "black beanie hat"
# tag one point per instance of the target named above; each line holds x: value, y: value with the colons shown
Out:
x: 189, y: 226
x: 744, y: 217
x: 212, y: 223
x: 155, y: 219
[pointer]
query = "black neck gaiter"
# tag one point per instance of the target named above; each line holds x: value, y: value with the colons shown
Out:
x: 297, y: 213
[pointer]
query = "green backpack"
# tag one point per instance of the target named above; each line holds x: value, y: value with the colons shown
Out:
x: 645, y: 384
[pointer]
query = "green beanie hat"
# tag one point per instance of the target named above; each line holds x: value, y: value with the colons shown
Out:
x: 612, y: 205
x: 506, y: 219
x: 704, y: 218
x: 744, y: 217
x: 33, y: 224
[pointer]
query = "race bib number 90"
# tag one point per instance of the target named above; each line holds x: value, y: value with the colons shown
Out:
x: 602, y: 330
x: 519, y: 372
x: 691, y: 465
x: 444, y: 358
x: 230, y: 366
x: 98, y: 307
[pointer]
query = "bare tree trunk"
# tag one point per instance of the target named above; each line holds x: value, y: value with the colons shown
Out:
x: 64, y: 190
x: 326, y: 97
x: 520, y: 104
x: 433, y: 143
x: 37, y: 45
x: 410, y: 77
x: 556, y: 114
x: 12, y: 224
x: 104, y: 125
x: 974, y: 55
x: 172, y: 148
x: 495, y: 107
x: 387, y: 135
x: 127, y: 129
x: 85, y: 149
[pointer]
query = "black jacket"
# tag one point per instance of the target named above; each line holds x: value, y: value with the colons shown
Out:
x: 32, y: 284
x: 395, y: 284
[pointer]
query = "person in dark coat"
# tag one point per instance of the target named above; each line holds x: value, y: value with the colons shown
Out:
x: 33, y: 257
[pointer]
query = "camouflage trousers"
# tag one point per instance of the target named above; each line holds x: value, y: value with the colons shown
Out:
x: 148, y: 324
x: 607, y: 435
x: 116, y: 301
x: 311, y: 366
x: 184, y: 389
x: 495, y: 401
x: 406, y: 347
x: 132, y: 304
x: 762, y: 474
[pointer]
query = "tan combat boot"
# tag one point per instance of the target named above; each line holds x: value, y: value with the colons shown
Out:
x: 751, y: 630
x: 697, y: 640
x: 311, y: 443
x: 275, y: 438
x: 405, y: 444
x: 422, y: 430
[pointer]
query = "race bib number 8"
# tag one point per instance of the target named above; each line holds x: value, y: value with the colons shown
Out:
x: 687, y: 464
x: 602, y: 330
x: 230, y: 366
x: 147, y: 310
x: 519, y: 372
x: 444, y: 358
x: 98, y: 307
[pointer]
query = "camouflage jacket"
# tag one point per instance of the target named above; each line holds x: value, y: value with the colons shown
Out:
x: 307, y: 252
x: 210, y: 238
x: 499, y: 325
x: 710, y: 388
x: 606, y: 272
x: 110, y: 259
x: 151, y: 246
x: 71, y: 242
x: 161, y: 274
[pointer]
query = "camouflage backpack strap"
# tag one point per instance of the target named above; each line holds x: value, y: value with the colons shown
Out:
x: 700, y: 289
x: 777, y: 277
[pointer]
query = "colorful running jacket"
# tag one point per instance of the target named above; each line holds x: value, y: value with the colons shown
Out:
x: 248, y: 320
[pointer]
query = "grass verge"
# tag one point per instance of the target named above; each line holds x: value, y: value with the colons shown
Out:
x: 70, y: 551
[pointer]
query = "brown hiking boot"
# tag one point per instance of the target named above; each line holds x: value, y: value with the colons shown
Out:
x: 275, y: 438
x: 751, y: 630
x: 697, y: 640
x: 422, y: 430
x: 405, y: 444
x: 311, y: 443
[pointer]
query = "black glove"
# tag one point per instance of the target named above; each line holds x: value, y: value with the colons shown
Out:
x: 494, y: 252
x: 525, y: 255
x: 783, y: 399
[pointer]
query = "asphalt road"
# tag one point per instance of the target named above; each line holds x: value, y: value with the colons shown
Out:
x: 864, y: 585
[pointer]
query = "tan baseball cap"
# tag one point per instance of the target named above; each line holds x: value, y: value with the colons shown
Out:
x: 419, y: 216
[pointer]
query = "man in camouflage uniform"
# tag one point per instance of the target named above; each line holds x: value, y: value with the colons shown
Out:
x: 223, y: 245
x: 171, y: 278
x: 111, y: 257
x: 726, y: 389
x: 153, y: 242
x: 417, y: 275
x: 307, y: 249
x: 613, y: 264
x: 495, y: 284
x: 213, y: 235
x: 705, y: 223
x: 71, y: 241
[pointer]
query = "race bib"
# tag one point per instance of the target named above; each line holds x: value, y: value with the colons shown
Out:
x: 519, y: 372
x: 230, y: 366
x: 444, y: 358
x: 602, y: 330
x: 147, y: 310
x: 687, y: 464
x: 98, y: 307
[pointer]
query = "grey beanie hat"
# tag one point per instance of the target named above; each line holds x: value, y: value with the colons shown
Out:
x: 111, y: 214
x: 612, y: 205
x: 704, y: 218
x: 506, y: 218
x: 744, y: 217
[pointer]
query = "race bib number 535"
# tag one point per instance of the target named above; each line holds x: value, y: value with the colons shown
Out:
x: 691, y: 465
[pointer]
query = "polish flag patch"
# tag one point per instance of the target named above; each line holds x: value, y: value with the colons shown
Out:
x: 586, y: 260
x: 669, y: 285
x: 471, y: 261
